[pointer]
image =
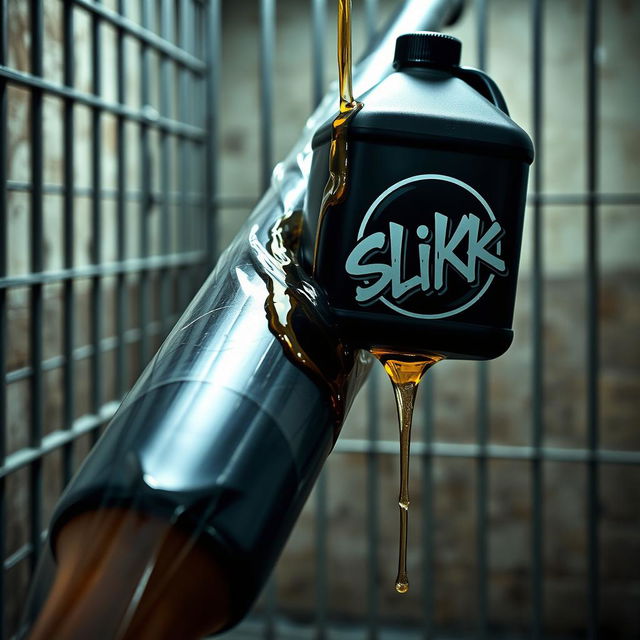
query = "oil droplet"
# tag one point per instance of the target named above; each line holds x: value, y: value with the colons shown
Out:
x: 405, y: 371
x: 402, y: 587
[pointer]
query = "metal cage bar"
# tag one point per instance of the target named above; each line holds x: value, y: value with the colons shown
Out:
x: 69, y: 235
x: 537, y: 306
x: 36, y: 294
x: 121, y: 368
x: 266, y: 87
x: 482, y: 411
x: 593, y: 333
x: 96, y: 303
x: 145, y: 183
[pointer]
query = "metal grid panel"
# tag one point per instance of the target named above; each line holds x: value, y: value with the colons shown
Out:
x: 172, y: 270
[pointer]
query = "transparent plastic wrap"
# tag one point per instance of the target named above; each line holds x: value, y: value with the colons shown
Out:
x: 174, y: 521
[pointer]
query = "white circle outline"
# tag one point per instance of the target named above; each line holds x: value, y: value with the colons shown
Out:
x: 420, y: 178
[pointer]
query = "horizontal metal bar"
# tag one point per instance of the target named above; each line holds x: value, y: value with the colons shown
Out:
x: 494, y: 451
x: 132, y: 265
x: 147, y: 115
x: 59, y: 438
x: 86, y: 351
x: 135, y: 195
x: 149, y: 38
x: 22, y: 553
x: 242, y: 202
x: 583, y: 199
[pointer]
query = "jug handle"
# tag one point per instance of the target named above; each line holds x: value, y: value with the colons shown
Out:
x: 484, y: 85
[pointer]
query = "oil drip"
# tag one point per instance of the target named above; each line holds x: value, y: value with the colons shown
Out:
x: 299, y: 315
x: 297, y: 312
x: 336, y: 187
x: 405, y: 371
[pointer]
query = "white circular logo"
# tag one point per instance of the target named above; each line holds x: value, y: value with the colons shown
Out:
x: 439, y: 246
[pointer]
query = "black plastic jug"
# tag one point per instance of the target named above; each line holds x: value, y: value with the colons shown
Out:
x: 422, y: 253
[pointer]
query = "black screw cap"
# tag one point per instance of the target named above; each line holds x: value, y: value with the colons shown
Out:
x: 427, y: 49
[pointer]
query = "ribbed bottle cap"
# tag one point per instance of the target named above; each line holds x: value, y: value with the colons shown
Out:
x: 427, y: 49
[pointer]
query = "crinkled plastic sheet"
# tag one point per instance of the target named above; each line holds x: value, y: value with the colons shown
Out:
x: 180, y: 511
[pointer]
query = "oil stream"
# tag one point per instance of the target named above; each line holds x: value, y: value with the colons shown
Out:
x: 296, y: 311
x: 405, y: 371
x: 336, y: 187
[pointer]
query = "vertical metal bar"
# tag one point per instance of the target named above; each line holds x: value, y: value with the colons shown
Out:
x: 198, y: 172
x: 3, y: 301
x: 318, y: 36
x: 482, y: 523
x: 122, y: 376
x: 537, y: 312
x: 267, y: 48
x: 37, y: 311
x: 481, y: 33
x: 145, y: 183
x: 198, y: 177
x: 318, y: 31
x: 166, y: 29
x: 183, y: 154
x: 69, y: 233
x: 593, y: 334
x: 266, y: 51
x: 482, y: 425
x: 373, y: 596
x: 213, y: 38
x: 206, y: 117
x: 193, y: 235
x: 428, y: 520
x: 371, y: 18
x: 96, y: 221
x: 213, y: 44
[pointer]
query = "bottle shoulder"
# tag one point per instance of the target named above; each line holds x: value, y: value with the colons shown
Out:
x: 435, y: 106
